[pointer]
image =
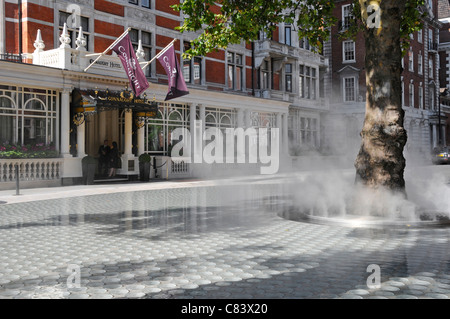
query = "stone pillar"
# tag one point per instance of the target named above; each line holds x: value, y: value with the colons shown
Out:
x: 285, y: 134
x: 444, y: 135
x: 192, y: 119
x: 102, y: 127
x: 435, y: 135
x: 65, y: 123
x: 128, y: 132
x: 280, y: 126
x: 202, y: 116
x: 240, y: 118
x: 141, y: 140
x: 81, y: 139
x: 247, y: 119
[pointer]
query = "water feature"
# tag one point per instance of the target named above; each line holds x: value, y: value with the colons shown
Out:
x: 332, y: 199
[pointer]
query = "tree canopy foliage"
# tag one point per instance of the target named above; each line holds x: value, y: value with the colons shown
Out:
x: 225, y: 22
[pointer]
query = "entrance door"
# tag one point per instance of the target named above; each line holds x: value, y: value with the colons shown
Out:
x: 104, y: 125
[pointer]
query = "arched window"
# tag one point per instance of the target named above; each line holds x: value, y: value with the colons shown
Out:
x: 8, y: 122
x: 210, y: 120
x: 34, y: 122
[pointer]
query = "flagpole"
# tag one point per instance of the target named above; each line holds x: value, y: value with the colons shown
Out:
x: 109, y: 48
x: 159, y: 54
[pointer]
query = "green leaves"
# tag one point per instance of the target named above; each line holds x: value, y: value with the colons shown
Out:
x: 230, y: 21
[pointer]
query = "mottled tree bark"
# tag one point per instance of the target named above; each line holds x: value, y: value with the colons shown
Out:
x: 380, y: 162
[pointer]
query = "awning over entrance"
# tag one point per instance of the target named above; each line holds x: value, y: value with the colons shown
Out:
x: 92, y: 101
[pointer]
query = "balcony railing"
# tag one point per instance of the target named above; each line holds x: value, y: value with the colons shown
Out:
x: 11, y: 57
x: 31, y: 169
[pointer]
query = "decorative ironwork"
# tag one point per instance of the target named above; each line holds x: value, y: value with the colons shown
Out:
x: 88, y: 102
x: 79, y: 118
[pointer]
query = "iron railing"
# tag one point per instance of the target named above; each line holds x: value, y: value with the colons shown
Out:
x: 11, y: 57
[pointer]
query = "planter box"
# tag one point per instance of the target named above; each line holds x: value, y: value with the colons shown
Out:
x: 144, y: 171
x: 89, y: 173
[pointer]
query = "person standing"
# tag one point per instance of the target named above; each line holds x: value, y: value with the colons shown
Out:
x: 103, y: 153
x: 114, y: 159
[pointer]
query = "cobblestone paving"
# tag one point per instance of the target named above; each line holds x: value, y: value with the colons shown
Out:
x: 215, y: 242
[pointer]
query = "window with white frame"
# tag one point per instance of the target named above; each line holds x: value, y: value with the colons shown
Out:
x: 73, y: 26
x: 420, y: 63
x: 144, y: 3
x: 411, y: 94
x: 420, y: 96
x: 420, y: 36
x: 235, y: 67
x: 192, y: 69
x: 304, y: 44
x: 411, y: 60
x: 288, y: 34
x: 27, y: 115
x: 430, y: 39
x: 307, y: 82
x: 303, y: 130
x: 430, y: 68
x: 348, y: 53
x: 158, y: 130
x: 265, y: 73
x: 146, y: 42
x: 288, y: 76
x: 347, y: 16
x: 349, y: 89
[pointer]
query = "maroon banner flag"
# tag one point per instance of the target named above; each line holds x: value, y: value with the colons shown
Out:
x: 125, y: 51
x: 177, y: 86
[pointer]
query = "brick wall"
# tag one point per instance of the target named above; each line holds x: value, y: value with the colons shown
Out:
x: 107, y: 20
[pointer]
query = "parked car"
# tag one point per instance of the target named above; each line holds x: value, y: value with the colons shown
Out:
x: 441, y: 155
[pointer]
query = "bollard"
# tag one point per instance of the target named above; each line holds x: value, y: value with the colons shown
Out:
x: 16, y: 167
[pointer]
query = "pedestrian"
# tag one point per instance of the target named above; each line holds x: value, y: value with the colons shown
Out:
x: 114, y: 159
x: 103, y: 153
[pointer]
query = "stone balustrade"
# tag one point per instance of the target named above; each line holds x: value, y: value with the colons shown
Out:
x: 38, y: 169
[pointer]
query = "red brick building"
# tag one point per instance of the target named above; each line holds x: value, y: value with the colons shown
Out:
x: 420, y: 83
x: 444, y: 69
x: 226, y: 87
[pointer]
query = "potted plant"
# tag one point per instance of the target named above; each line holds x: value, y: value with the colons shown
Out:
x: 144, y: 167
x: 89, y: 165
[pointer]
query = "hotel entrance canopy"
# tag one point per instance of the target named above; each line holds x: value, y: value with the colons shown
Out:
x: 93, y: 101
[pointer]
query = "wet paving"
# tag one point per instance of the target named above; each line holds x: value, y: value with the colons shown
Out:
x: 208, y: 242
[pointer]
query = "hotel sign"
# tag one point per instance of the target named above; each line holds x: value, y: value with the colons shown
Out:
x: 109, y: 100
x: 107, y: 64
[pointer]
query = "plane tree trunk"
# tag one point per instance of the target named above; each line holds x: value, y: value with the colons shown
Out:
x: 380, y: 161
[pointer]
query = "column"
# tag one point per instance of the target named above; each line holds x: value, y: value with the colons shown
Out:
x: 240, y: 118
x: 444, y: 135
x: 435, y: 135
x: 102, y: 127
x: 285, y: 134
x: 65, y: 123
x: 128, y: 132
x: 202, y: 110
x: 81, y: 140
x: 280, y: 132
x: 202, y: 116
x: 141, y: 139
x: 192, y: 119
x: 247, y: 119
